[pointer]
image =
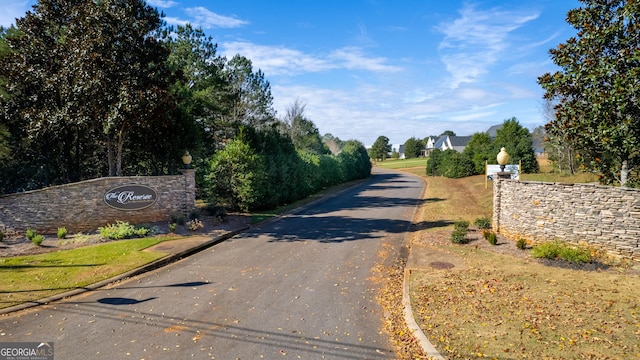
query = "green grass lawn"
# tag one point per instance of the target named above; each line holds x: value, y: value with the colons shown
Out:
x: 402, y: 164
x: 34, y: 277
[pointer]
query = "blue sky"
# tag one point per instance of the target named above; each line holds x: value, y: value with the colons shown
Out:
x: 398, y: 68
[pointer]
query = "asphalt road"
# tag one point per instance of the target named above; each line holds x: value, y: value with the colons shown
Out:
x: 302, y: 287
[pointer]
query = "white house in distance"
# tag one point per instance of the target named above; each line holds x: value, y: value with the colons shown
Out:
x: 398, y: 148
x: 445, y: 142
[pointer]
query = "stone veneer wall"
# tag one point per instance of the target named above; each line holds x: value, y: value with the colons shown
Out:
x: 602, y: 216
x: 81, y: 206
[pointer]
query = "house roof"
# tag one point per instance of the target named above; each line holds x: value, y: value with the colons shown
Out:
x: 493, y: 131
x: 459, y: 140
x: 449, y: 142
x: 441, y: 140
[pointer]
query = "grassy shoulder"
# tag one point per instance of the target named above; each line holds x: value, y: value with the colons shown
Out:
x: 506, y: 307
x: 402, y: 163
x: 35, y: 277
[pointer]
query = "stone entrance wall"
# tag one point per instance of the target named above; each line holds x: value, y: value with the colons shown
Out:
x: 81, y: 206
x: 602, y: 216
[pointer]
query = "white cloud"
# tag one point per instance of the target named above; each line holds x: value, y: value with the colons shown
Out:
x: 476, y: 40
x: 164, y: 4
x: 472, y: 116
x: 275, y: 60
x: 175, y: 21
x: 207, y: 19
x: 353, y: 58
x: 280, y: 60
x: 12, y: 9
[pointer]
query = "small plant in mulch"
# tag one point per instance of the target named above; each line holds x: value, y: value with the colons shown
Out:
x: 123, y: 230
x: 172, y: 227
x: 194, y: 224
x: 34, y: 237
x: 483, y: 223
x: 37, y: 240
x: 559, y: 250
x: 30, y: 234
x: 491, y: 237
x: 194, y: 214
x: 177, y: 218
x: 459, y: 234
x: 218, y: 212
x: 62, y: 232
x: 521, y: 244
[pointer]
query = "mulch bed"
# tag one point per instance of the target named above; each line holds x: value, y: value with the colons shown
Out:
x: 19, y: 245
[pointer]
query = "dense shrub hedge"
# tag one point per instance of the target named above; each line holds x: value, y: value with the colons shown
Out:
x: 262, y: 170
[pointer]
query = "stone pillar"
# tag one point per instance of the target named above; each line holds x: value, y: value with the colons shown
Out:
x: 189, y: 190
x: 495, y: 223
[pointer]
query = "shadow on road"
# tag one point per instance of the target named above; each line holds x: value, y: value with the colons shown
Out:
x: 286, y: 341
x: 318, y: 223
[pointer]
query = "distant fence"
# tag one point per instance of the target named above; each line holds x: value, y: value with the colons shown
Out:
x: 602, y: 216
x: 90, y: 204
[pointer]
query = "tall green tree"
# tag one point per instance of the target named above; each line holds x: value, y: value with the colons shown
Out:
x: 5, y: 149
x: 380, y: 149
x: 455, y: 165
x: 480, y: 150
x: 202, y: 93
x: 597, y: 88
x: 434, y: 163
x: 413, y: 147
x: 85, y: 70
x: 517, y: 140
x: 303, y: 132
x: 252, y: 101
x: 4, y: 143
x: 355, y: 160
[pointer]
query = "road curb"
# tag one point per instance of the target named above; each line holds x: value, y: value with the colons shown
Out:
x: 409, y: 320
x: 426, y: 345
x: 143, y: 269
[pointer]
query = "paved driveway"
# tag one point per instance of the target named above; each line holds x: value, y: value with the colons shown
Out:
x: 301, y: 287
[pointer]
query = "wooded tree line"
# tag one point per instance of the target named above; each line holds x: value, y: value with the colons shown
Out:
x: 105, y: 88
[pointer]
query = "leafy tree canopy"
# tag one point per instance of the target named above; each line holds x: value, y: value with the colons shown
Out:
x: 597, y: 88
x: 80, y: 70
x: 380, y: 149
x: 517, y: 140
x: 303, y: 132
x: 480, y: 150
x: 413, y: 147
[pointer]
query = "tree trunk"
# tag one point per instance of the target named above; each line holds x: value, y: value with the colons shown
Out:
x: 120, y: 146
x: 110, y: 157
x: 624, y: 174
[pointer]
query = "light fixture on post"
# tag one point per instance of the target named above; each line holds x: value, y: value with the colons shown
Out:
x: 503, y: 160
x: 186, y: 159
